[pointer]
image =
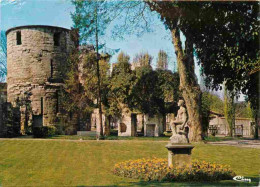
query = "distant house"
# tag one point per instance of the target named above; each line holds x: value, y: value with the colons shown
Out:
x: 218, y: 125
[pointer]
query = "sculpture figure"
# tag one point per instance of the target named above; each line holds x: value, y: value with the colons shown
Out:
x: 178, y: 125
x: 179, y: 149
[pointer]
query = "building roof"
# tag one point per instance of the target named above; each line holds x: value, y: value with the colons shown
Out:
x: 35, y: 26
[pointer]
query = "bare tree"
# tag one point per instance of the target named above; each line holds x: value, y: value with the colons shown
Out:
x: 162, y: 60
x: 143, y: 59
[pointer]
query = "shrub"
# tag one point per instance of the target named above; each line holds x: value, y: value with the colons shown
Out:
x: 157, y: 170
x: 45, y: 131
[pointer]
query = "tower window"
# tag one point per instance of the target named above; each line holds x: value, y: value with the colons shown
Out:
x: 51, y: 68
x: 18, y: 38
x: 57, y: 104
x: 56, y: 39
x: 41, y: 105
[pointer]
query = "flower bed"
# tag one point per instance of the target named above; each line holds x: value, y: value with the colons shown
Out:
x: 157, y: 169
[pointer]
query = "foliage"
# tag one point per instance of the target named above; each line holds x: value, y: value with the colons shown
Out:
x: 132, y: 17
x: 244, y: 110
x: 173, y: 16
x: 3, y: 56
x: 169, y: 84
x: 224, y: 33
x: 72, y: 97
x: 146, y: 93
x: 234, y: 33
x: 11, y: 120
x: 143, y: 89
x: 143, y: 59
x: 229, y: 110
x: 121, y: 83
x: 154, y: 91
x: 89, y: 77
x: 252, y: 85
x: 229, y: 41
x: 205, y: 108
x: 44, y: 131
x: 157, y: 169
x: 81, y: 80
x: 91, y: 18
x: 216, y: 104
x: 81, y: 88
x: 162, y: 60
x: 225, y: 36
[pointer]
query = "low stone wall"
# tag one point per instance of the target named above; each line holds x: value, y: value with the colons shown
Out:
x: 9, y: 120
x: 95, y: 122
x: 3, y: 94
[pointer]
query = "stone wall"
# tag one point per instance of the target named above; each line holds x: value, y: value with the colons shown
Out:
x: 128, y: 123
x: 153, y: 125
x: 35, y: 70
x: 95, y: 122
x: 140, y: 122
x: 221, y: 124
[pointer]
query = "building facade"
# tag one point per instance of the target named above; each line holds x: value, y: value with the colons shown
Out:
x: 218, y: 125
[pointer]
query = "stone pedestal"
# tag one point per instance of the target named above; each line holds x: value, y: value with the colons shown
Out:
x: 179, y: 154
x: 179, y: 139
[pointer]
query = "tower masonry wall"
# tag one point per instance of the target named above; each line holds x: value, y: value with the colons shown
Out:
x: 36, y: 59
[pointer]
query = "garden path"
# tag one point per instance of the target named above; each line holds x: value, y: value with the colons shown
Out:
x: 239, y: 143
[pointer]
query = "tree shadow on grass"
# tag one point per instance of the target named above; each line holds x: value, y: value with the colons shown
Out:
x: 254, y: 182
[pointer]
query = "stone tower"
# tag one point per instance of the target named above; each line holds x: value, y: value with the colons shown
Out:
x: 36, y: 57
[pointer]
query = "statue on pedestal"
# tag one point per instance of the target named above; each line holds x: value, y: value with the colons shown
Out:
x: 179, y: 149
x: 179, y: 135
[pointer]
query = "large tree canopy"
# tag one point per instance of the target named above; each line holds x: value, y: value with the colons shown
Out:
x: 222, y: 35
x: 225, y: 36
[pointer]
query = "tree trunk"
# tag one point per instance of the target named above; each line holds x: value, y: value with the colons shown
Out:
x: 99, y: 101
x: 188, y: 85
x: 256, y: 135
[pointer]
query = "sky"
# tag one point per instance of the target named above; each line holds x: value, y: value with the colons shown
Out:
x: 58, y: 13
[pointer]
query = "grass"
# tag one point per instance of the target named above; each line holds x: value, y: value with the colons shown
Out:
x: 76, y: 137
x: 114, y: 136
x: 87, y: 163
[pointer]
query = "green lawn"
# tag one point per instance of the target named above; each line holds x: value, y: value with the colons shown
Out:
x: 82, y: 163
